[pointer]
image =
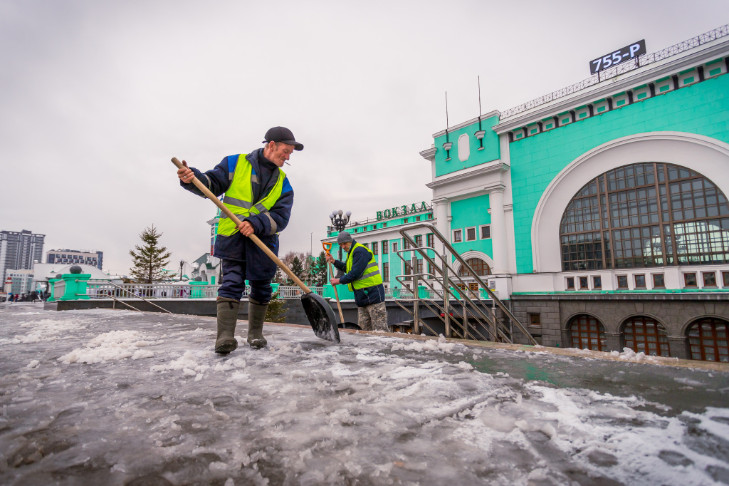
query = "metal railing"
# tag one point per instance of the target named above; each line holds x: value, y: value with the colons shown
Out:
x: 405, y: 292
x: 117, y: 292
x: 641, y: 61
x: 473, y: 317
x: 104, y: 289
x: 288, y: 292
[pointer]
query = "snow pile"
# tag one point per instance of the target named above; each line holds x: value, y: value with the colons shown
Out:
x: 439, y: 345
x: 42, y: 330
x: 113, y: 345
x: 640, y: 357
x: 189, y: 364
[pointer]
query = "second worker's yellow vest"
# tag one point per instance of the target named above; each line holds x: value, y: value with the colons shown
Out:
x: 371, y: 275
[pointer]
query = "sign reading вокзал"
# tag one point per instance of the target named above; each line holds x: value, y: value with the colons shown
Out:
x: 403, y: 210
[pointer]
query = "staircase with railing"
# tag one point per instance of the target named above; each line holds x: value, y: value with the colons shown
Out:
x: 465, y: 309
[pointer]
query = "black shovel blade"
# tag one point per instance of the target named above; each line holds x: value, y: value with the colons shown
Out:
x: 321, y: 317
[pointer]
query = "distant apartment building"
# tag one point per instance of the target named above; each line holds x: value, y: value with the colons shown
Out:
x: 19, y: 249
x: 21, y: 281
x: 70, y: 257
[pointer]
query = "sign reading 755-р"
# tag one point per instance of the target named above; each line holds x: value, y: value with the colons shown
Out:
x: 616, y: 57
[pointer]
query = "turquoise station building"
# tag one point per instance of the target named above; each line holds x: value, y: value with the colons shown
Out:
x: 599, y: 211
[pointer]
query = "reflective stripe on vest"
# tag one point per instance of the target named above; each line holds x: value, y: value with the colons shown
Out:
x: 239, y: 197
x: 371, y: 275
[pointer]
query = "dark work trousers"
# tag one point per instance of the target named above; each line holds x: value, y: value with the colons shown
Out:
x: 233, y: 283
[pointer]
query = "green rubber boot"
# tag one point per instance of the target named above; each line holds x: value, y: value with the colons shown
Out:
x: 256, y: 314
x: 227, y: 318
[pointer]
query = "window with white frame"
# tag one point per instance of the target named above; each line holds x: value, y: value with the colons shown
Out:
x: 471, y: 234
x: 485, y: 231
x: 457, y: 236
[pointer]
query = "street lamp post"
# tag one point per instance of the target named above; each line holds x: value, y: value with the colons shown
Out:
x: 182, y: 262
x: 340, y: 220
x: 311, y: 257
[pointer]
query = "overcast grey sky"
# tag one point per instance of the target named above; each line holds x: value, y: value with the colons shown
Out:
x: 97, y: 96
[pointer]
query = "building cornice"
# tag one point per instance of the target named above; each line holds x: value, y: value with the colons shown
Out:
x: 465, y: 174
x: 615, y: 85
x: 429, y: 154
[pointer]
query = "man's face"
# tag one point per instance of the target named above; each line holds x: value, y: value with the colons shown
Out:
x: 346, y: 246
x: 278, y: 152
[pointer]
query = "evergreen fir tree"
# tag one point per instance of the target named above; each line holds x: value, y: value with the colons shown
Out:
x: 319, y: 270
x: 280, y: 277
x: 276, y: 310
x: 150, y: 259
x: 298, y: 269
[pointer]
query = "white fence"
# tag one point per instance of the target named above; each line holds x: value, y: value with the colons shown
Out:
x: 102, y: 289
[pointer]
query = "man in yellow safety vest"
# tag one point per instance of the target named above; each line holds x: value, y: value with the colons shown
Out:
x: 258, y: 192
x: 364, y: 279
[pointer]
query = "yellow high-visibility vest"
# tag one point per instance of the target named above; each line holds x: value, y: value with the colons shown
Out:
x: 239, y: 197
x: 371, y: 275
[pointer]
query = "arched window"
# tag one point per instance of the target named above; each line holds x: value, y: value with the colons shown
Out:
x: 586, y: 332
x: 645, y: 215
x: 707, y: 339
x: 479, y: 266
x: 646, y: 335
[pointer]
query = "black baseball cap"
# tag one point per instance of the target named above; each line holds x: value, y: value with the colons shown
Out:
x: 282, y: 134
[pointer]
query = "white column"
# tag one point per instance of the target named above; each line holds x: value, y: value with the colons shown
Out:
x: 442, y: 221
x: 498, y: 231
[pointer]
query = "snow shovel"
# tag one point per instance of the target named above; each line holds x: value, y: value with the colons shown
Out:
x: 318, y: 310
x: 347, y: 325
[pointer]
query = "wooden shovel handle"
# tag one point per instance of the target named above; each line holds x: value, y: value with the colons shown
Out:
x: 336, y: 295
x: 237, y: 221
x: 328, y: 246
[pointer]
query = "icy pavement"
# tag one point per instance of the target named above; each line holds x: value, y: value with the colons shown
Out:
x: 103, y: 397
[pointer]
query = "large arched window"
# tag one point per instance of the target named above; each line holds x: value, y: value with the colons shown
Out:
x: 646, y: 335
x: 586, y: 332
x: 708, y: 339
x: 479, y: 266
x: 644, y: 215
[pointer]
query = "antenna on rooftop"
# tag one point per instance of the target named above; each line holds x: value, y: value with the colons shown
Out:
x: 478, y: 79
x: 446, y: 108
x: 447, y: 145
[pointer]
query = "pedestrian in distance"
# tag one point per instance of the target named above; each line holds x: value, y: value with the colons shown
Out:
x: 258, y: 192
x: 364, y: 279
